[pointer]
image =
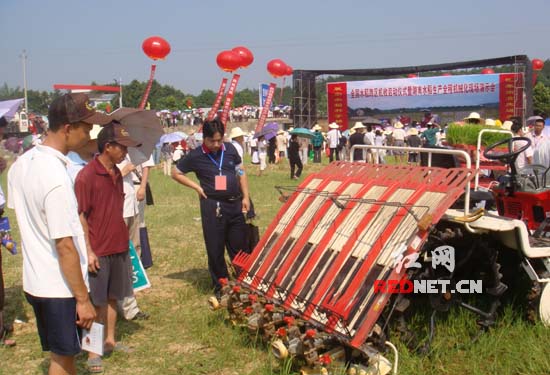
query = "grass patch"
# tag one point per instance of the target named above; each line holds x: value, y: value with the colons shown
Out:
x: 184, y: 337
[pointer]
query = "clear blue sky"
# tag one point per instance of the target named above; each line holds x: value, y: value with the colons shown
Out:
x: 82, y: 41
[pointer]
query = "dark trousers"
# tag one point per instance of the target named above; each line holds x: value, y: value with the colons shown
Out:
x: 333, y: 154
x: 227, y: 231
x: 293, y: 164
x: 317, y: 154
x: 1, y: 286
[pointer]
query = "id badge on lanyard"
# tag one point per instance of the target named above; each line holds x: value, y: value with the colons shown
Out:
x: 220, y: 181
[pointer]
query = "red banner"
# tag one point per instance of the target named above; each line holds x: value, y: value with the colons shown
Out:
x: 265, y: 109
x: 59, y: 86
x: 510, y: 95
x: 337, y: 104
x: 229, y: 97
x: 148, y: 88
x: 217, y: 102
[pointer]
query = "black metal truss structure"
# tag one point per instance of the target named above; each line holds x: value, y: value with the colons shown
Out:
x: 305, y: 98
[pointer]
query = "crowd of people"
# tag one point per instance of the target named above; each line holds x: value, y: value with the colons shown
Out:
x: 87, y: 204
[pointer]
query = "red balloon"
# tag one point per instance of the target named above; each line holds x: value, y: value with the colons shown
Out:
x: 412, y: 75
x: 156, y: 48
x: 289, y: 70
x: 246, y: 56
x: 537, y: 64
x: 229, y: 61
x: 487, y: 71
x: 277, y: 68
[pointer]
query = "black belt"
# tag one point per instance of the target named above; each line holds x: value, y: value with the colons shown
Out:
x: 230, y: 198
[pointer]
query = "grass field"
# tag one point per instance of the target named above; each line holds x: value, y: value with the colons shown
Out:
x: 183, y: 336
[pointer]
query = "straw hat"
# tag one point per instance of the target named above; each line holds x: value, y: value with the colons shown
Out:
x: 316, y: 127
x: 398, y: 125
x: 507, y: 125
x: 333, y: 125
x: 95, y: 131
x: 358, y: 125
x: 387, y: 132
x: 413, y: 131
x: 490, y: 122
x: 281, y: 132
x: 473, y: 116
x: 236, y: 132
x: 290, y: 129
x: 179, y: 147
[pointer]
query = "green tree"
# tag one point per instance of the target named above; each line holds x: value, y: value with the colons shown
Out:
x: 541, y: 100
x: 205, y: 99
x: 245, y: 97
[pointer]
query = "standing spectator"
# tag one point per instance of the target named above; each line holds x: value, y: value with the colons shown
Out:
x: 237, y: 140
x: 281, y: 144
x: 55, y: 263
x: 166, y: 156
x: 526, y: 157
x: 398, y: 136
x: 223, y: 194
x: 100, y: 194
x: 537, y: 138
x: 262, y: 154
x: 304, y: 149
x: 191, y: 141
x: 4, y: 328
x: 430, y: 135
x: 369, y: 140
x: 333, y: 138
x: 317, y: 143
x: 413, y: 140
x: 357, y: 138
x: 294, y: 157
x: 272, y: 150
x: 379, y: 155
x: 178, y: 154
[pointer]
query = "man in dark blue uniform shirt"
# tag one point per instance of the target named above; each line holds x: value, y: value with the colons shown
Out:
x: 223, y: 194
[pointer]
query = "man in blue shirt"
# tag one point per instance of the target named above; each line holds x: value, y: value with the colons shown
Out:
x: 223, y: 194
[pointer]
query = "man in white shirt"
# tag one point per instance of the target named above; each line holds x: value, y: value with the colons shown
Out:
x: 537, y: 137
x: 526, y: 157
x: 55, y: 259
x: 333, y: 137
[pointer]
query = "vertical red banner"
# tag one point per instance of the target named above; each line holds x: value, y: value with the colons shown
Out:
x: 217, y: 102
x: 337, y: 104
x: 265, y: 109
x: 229, y: 97
x: 510, y: 95
x: 148, y: 88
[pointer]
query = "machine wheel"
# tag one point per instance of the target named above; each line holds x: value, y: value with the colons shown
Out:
x: 544, y: 305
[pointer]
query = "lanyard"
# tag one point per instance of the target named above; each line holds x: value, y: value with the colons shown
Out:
x: 216, y: 164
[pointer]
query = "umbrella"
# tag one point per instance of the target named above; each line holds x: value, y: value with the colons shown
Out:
x: 371, y: 121
x: 268, y: 131
x: 183, y: 135
x: 143, y: 126
x: 303, y: 132
x: 170, y: 138
x: 531, y: 120
x: 9, y: 107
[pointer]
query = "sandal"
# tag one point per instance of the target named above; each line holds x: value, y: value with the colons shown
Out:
x: 4, y: 341
x: 95, y: 365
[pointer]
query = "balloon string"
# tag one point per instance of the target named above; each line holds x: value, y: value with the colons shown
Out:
x: 148, y: 88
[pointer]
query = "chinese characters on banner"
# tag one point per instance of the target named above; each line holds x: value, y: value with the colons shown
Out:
x: 218, y: 101
x: 361, y: 98
x: 511, y: 95
x: 265, y: 109
x: 338, y: 104
x: 229, y: 97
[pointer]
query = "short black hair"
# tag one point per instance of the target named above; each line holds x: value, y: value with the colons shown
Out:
x: 516, y: 126
x: 209, y: 128
x: 3, y: 122
x: 539, y: 120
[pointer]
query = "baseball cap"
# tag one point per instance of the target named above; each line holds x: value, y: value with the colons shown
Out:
x: 116, y: 132
x: 73, y: 108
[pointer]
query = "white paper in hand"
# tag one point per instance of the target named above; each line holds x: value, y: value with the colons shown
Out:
x: 92, y: 340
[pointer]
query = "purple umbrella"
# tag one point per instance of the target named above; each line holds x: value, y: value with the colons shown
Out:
x: 268, y: 131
